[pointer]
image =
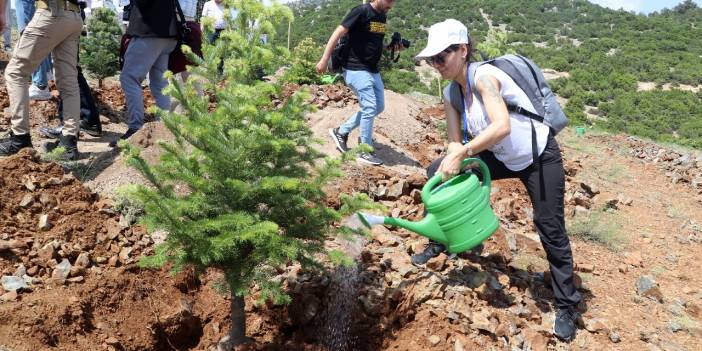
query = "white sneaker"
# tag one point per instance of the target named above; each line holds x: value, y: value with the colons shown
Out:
x: 39, y: 94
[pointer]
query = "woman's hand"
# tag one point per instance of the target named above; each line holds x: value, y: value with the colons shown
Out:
x: 451, y: 165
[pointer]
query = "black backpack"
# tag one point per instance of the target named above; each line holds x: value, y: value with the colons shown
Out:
x: 530, y: 79
x: 339, y: 56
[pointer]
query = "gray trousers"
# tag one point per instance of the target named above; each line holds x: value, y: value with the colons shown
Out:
x: 145, y: 55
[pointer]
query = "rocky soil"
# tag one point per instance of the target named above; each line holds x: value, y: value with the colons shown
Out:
x: 68, y: 253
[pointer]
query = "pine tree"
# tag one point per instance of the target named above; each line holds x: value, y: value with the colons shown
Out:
x: 304, y: 59
x: 254, y: 200
x: 100, y: 48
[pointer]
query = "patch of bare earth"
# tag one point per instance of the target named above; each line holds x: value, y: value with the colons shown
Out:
x: 497, y: 299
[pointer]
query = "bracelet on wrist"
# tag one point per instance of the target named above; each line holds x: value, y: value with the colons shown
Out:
x: 469, y: 151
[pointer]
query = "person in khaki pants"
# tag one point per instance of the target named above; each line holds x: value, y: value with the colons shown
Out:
x: 55, y: 28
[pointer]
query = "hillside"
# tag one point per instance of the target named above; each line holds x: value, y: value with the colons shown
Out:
x: 633, y: 214
x: 609, y: 54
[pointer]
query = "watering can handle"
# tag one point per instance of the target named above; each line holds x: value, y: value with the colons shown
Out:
x: 436, y: 179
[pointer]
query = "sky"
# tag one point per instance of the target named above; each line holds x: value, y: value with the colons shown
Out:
x: 643, y: 6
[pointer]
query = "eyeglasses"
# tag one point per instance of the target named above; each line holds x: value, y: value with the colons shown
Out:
x: 440, y: 58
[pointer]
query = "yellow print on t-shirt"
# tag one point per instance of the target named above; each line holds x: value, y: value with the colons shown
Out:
x: 377, y: 27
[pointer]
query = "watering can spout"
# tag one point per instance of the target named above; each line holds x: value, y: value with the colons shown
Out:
x: 427, y: 227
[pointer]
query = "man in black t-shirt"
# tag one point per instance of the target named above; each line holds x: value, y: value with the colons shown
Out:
x: 365, y: 26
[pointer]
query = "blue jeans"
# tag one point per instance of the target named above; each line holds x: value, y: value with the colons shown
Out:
x: 145, y: 55
x: 25, y: 11
x: 371, y: 97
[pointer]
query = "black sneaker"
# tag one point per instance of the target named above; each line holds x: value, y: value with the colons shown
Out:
x: 339, y: 139
x: 124, y: 136
x: 565, y: 325
x: 94, y: 130
x: 51, y: 133
x: 69, y: 143
x: 432, y: 250
x: 14, y: 144
x: 369, y: 158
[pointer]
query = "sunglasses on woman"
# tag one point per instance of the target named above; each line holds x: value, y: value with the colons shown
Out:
x: 440, y: 58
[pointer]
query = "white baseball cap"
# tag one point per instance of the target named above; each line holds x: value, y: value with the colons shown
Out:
x: 443, y: 35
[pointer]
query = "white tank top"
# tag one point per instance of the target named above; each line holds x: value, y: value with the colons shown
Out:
x: 514, y: 150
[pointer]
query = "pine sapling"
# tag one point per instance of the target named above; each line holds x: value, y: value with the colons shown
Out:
x: 241, y: 187
x: 100, y: 48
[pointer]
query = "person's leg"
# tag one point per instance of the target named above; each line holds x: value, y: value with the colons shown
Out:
x: 66, y: 57
x: 7, y: 31
x: 67, y: 74
x: 89, y: 111
x: 138, y: 60
x: 361, y: 83
x: 40, y: 77
x: 550, y: 222
x: 34, y: 45
x: 366, y: 121
x: 156, y: 80
x: 24, y: 11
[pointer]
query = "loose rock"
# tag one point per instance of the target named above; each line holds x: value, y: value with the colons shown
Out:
x: 61, y: 271
x: 27, y: 200
x: 646, y: 286
x: 44, y: 224
x: 437, y: 263
x: 434, y: 340
x: 12, y: 283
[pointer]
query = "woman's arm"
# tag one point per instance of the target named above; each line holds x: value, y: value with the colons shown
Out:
x: 489, y: 90
x: 453, y: 127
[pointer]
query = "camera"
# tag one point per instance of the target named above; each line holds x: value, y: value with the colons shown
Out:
x: 126, y: 12
x: 397, y: 39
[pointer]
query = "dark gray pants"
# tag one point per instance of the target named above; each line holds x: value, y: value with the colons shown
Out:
x: 548, y: 213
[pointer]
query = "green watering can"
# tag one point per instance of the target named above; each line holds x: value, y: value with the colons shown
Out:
x: 458, y: 211
x: 329, y: 79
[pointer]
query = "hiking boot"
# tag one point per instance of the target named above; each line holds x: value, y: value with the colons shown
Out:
x: 68, y: 142
x: 94, y: 130
x: 339, y: 139
x: 51, y: 133
x: 14, y: 144
x: 369, y: 158
x: 432, y: 250
x: 37, y: 93
x: 565, y: 325
x: 124, y: 136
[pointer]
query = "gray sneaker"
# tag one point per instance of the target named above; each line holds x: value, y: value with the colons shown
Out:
x: 369, y: 158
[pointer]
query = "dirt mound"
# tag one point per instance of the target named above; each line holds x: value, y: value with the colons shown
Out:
x: 118, y: 173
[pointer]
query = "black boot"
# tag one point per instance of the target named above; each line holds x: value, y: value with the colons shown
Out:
x: 69, y: 143
x: 432, y: 250
x: 14, y: 144
x: 566, y: 323
x: 91, y: 129
x: 124, y: 136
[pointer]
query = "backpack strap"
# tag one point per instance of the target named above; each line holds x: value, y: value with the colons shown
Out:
x: 513, y: 72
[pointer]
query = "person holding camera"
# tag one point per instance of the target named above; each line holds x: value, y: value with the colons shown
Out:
x: 365, y: 26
